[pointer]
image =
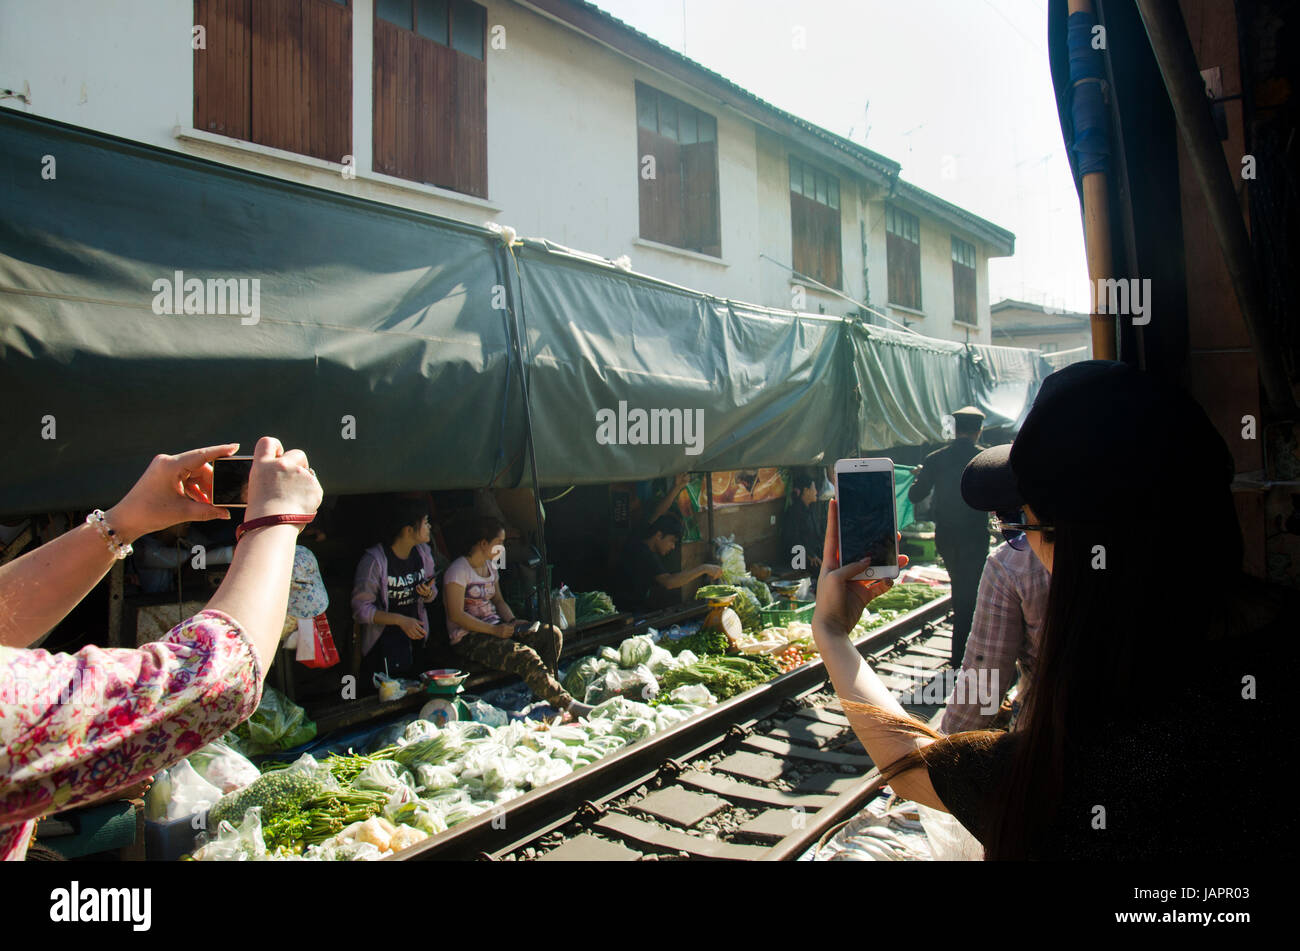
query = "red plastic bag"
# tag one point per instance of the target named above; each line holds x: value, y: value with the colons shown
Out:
x: 327, y: 654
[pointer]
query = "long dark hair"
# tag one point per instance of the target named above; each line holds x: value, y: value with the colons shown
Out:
x: 1126, y: 628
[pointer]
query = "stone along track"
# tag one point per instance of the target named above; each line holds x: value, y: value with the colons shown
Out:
x: 760, y: 776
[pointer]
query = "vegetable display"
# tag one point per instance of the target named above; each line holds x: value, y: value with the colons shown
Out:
x: 723, y: 676
x: 431, y: 778
x: 278, y: 792
x: 592, y: 606
x: 700, y: 643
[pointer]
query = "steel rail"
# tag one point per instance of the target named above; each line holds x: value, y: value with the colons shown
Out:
x: 494, y: 831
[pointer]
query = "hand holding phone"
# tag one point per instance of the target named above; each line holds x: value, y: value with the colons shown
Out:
x: 868, y: 516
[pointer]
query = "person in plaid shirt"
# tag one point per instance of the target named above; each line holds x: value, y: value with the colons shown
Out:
x: 1008, y: 624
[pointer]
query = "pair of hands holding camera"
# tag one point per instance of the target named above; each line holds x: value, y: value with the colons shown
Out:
x: 179, y: 489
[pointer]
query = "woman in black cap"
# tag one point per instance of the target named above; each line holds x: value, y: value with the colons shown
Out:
x: 1161, y: 662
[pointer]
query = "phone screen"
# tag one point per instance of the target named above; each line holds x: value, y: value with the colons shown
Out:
x: 229, y: 479
x: 866, y: 503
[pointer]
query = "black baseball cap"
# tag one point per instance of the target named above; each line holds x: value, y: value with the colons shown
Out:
x: 1101, y: 438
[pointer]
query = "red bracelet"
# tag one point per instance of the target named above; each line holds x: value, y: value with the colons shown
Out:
x: 246, y: 527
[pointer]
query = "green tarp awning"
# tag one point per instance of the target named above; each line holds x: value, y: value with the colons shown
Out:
x: 382, y: 344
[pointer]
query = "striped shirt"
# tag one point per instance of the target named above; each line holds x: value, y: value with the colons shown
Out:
x: 1007, y: 628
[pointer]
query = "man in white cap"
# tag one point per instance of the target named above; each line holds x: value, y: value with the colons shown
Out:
x: 961, y: 533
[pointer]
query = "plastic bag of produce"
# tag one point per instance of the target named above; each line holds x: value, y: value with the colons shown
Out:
x: 277, y: 724
x: 433, y: 749
x: 633, y: 729
x: 486, y: 713
x: 547, y: 771
x: 235, y: 844
x: 635, y: 651
x: 617, y: 707
x: 637, y: 683
x: 661, y: 660
x: 697, y: 694
x: 418, y: 730
x: 276, y: 792
x: 384, y: 776
x: 416, y: 814
x: 469, y: 730
x: 584, y: 673
x: 179, y: 791
x: 224, y: 766
x: 731, y: 557
x: 433, y: 778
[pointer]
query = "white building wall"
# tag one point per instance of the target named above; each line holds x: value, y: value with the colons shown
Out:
x: 562, y: 156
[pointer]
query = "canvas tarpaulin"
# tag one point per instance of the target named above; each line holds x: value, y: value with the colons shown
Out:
x: 907, y: 384
x: 1003, y: 383
x: 770, y: 387
x: 382, y: 344
x: 366, y: 312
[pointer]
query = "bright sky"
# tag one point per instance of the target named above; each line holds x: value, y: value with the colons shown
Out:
x: 960, y: 94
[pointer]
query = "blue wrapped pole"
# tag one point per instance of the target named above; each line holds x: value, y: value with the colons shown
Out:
x: 1091, y: 147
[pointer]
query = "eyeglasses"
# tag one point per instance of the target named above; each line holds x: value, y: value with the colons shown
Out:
x: 1013, y: 527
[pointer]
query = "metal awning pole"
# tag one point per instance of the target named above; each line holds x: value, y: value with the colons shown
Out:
x: 1096, y: 238
x: 516, y: 344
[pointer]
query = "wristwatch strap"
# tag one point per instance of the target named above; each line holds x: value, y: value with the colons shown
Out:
x: 246, y: 527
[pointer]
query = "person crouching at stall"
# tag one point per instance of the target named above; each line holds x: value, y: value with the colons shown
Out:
x: 394, y: 582
x: 481, y: 626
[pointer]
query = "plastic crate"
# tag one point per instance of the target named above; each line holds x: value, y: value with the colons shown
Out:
x: 781, y: 613
x: 167, y: 840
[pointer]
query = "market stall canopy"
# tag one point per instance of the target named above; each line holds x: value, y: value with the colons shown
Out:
x: 374, y: 345
x: 380, y: 340
x: 685, y: 381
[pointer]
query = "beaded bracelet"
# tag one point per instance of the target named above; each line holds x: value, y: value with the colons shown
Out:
x: 115, y: 545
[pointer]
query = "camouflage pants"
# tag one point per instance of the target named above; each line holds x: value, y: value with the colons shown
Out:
x: 532, y: 657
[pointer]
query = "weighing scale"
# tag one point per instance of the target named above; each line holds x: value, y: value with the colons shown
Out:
x: 444, y: 686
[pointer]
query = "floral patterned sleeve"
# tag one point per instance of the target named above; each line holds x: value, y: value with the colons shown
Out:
x: 75, y: 728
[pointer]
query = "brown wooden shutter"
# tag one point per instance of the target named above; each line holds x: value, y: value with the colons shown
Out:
x: 963, y: 292
x: 221, y: 71
x: 830, y: 248
x: 277, y: 72
x: 430, y: 111
x: 327, y: 78
x: 279, y: 120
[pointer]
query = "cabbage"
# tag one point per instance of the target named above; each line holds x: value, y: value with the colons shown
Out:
x: 635, y: 651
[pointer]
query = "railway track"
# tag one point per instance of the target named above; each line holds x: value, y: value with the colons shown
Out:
x: 760, y: 777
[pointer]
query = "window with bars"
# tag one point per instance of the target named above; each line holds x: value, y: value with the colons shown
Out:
x: 903, y: 257
x: 963, y: 282
x: 277, y: 72
x: 815, y: 223
x: 679, y: 188
x: 430, y: 95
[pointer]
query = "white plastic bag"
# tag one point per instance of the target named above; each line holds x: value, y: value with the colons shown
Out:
x: 224, y: 767
x: 949, y: 839
x: 244, y: 844
x: 190, y: 792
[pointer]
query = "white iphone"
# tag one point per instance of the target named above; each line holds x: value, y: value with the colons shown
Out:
x: 868, y: 515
